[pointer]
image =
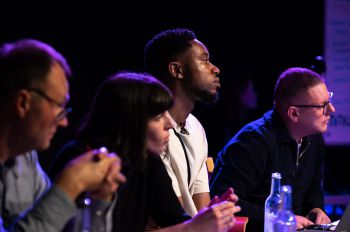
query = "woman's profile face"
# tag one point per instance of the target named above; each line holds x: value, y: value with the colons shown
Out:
x: 157, y: 136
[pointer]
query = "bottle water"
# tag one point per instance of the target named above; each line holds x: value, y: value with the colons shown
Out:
x: 272, y: 202
x: 285, y: 220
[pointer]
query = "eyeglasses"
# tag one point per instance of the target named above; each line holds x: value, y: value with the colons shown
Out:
x: 65, y: 110
x: 324, y: 106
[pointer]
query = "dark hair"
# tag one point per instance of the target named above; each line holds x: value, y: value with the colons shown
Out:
x: 120, y: 112
x: 25, y: 62
x: 164, y: 48
x: 292, y: 82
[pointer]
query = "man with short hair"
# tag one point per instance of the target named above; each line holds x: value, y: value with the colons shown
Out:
x: 178, y: 59
x: 286, y: 139
x: 34, y: 93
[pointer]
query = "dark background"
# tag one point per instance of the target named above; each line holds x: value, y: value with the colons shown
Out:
x: 245, y: 38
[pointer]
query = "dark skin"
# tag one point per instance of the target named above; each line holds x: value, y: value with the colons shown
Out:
x: 196, y: 79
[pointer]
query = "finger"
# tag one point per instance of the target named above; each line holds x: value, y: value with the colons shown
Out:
x: 299, y: 226
x: 228, y: 222
x: 114, y: 172
x: 231, y: 211
x: 319, y: 220
x: 227, y: 219
x: 228, y: 192
x: 114, y: 176
x: 229, y: 196
x: 118, y: 162
x: 100, y: 153
x: 223, y: 205
x: 103, y: 150
x: 323, y: 219
x: 112, y: 187
x: 120, y: 179
x: 236, y: 209
x: 306, y: 222
x: 214, y: 201
x: 104, y: 167
x: 233, y: 198
x: 114, y: 154
x: 327, y: 220
x: 109, y: 159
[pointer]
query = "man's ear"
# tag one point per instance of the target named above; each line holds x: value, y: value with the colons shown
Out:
x: 175, y: 70
x: 293, y: 113
x: 22, y: 102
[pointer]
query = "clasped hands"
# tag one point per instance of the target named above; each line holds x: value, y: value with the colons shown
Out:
x: 96, y: 171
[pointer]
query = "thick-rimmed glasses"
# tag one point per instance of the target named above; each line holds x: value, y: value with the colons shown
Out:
x: 324, y: 106
x: 65, y: 110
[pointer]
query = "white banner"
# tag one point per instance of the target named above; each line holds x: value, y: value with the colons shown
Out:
x: 337, y: 58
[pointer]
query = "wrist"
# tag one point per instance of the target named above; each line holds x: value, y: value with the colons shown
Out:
x: 69, y: 185
x: 187, y: 226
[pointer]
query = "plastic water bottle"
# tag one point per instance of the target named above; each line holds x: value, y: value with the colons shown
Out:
x: 273, y: 201
x: 285, y: 220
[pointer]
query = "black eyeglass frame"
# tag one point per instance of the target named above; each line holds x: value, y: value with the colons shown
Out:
x: 324, y: 106
x: 65, y: 110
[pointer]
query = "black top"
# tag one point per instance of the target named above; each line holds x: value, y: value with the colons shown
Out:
x: 146, y: 193
x: 254, y: 153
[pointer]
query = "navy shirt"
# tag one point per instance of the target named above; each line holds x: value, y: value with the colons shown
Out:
x: 254, y: 153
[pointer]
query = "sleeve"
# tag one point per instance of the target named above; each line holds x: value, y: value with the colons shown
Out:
x: 167, y: 163
x: 167, y: 210
x: 50, y: 213
x: 241, y: 165
x: 100, y: 214
x: 201, y: 184
x: 314, y: 196
x: 97, y: 216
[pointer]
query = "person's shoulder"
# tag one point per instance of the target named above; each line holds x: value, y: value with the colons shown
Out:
x: 256, y: 132
x: 31, y: 156
x: 258, y: 127
x: 26, y: 159
x: 265, y: 125
x: 192, y: 121
x: 154, y: 160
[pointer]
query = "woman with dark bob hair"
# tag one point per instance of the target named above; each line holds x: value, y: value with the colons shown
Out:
x: 129, y: 117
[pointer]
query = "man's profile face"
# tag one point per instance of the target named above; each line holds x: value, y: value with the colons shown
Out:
x: 45, y: 117
x: 200, y: 75
x: 314, y: 119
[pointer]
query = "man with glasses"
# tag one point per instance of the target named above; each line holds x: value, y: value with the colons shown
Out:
x: 286, y: 139
x: 34, y: 93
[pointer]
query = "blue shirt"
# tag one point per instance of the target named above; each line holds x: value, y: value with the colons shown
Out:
x: 28, y: 202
